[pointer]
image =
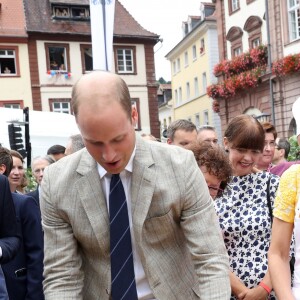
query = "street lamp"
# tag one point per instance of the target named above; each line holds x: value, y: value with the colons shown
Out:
x: 264, y: 117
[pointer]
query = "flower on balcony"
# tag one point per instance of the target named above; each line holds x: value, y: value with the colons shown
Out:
x: 234, y: 84
x: 244, y: 62
x: 287, y: 65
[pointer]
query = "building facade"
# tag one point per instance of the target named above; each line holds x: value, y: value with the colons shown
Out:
x: 53, y: 50
x: 251, y: 24
x: 192, y: 61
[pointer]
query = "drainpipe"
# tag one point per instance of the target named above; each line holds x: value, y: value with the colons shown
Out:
x: 270, y: 62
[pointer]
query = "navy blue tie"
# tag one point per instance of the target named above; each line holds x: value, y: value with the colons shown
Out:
x: 121, y: 259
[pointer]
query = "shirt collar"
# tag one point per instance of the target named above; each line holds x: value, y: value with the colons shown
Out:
x: 102, y: 172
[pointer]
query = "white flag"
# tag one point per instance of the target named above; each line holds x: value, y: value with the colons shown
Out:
x: 102, y: 29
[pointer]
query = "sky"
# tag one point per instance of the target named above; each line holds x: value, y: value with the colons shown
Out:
x: 164, y: 18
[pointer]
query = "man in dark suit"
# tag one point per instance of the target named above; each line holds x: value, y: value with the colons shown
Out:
x: 24, y: 273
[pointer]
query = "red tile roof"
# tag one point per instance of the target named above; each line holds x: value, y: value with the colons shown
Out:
x: 39, y: 19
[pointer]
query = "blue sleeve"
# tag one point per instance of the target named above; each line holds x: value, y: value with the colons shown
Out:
x: 30, y: 218
x: 9, y: 237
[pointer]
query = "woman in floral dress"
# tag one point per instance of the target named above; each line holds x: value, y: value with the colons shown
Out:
x: 243, y: 211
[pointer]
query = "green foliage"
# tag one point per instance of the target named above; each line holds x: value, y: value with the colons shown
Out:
x: 32, y: 185
x: 295, y: 149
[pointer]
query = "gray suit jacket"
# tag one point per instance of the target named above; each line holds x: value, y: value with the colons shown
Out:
x: 175, y: 227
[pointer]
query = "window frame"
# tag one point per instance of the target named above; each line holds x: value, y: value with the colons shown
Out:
x: 16, y: 61
x: 134, y: 63
x: 194, y: 52
x: 12, y: 102
x: 296, y: 10
x: 231, y: 8
x: 196, y: 87
x: 82, y: 48
x: 67, y: 53
x: 60, y: 100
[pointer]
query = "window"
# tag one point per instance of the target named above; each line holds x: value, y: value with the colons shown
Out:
x: 70, y: 12
x: 57, y: 56
x: 234, y: 5
x: 234, y: 36
x: 176, y: 97
x: 174, y: 67
x: 170, y: 120
x: 194, y: 53
x: 180, y: 95
x: 86, y: 58
x: 237, y: 51
x: 178, y: 65
x: 255, y: 43
x: 8, y: 61
x: 60, y: 105
x: 15, y: 104
x: 253, y: 26
x: 125, y: 60
x: 204, y: 83
x: 196, y: 86
x: 202, y: 46
x: 294, y: 19
x: 205, y: 115
x: 188, y: 92
x: 186, y: 59
x: 197, y: 119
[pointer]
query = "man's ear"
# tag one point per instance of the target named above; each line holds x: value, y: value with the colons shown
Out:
x: 169, y: 141
x: 134, y: 116
x: 2, y: 169
x: 225, y: 143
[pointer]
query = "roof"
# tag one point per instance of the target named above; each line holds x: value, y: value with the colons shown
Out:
x: 39, y: 19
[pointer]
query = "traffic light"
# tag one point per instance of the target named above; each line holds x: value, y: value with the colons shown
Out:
x: 16, y: 139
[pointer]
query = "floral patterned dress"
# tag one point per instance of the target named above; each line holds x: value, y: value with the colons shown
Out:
x: 246, y: 225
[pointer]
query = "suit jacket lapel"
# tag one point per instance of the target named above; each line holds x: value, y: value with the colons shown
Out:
x: 92, y: 198
x: 142, y: 183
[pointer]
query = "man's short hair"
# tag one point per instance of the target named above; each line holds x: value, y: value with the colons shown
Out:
x: 76, y: 142
x: 47, y: 158
x: 285, y: 145
x: 180, y: 124
x: 6, y: 160
x: 205, y: 127
x: 56, y: 149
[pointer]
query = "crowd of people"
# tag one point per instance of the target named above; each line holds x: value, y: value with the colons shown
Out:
x: 120, y: 215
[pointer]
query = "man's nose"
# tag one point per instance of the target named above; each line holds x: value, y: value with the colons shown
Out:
x: 108, y: 153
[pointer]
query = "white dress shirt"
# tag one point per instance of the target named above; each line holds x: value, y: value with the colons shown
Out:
x: 143, y: 289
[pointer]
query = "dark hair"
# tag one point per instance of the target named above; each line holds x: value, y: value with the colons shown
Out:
x: 121, y: 90
x: 180, y: 124
x: 17, y: 154
x: 246, y: 132
x: 269, y: 128
x: 56, y: 149
x: 285, y: 145
x: 214, y: 159
x: 6, y: 160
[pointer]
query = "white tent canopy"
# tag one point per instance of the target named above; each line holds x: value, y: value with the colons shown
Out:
x: 46, y: 128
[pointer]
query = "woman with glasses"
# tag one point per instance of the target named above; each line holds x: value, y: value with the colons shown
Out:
x: 244, y: 213
x: 215, y: 166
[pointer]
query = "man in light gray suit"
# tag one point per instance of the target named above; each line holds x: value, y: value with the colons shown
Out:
x: 178, y: 251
